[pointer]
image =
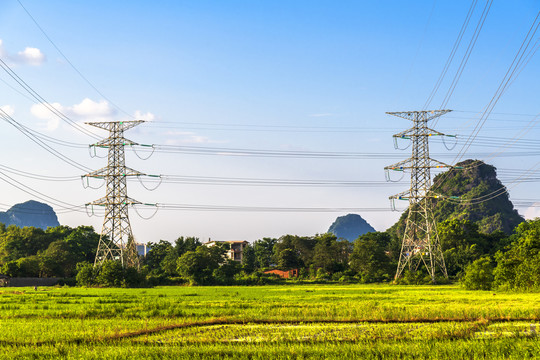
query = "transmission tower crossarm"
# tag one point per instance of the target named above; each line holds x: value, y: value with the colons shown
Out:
x: 410, y: 133
x: 437, y: 164
x: 105, y: 172
x: 105, y: 143
x: 104, y: 201
x: 125, y: 125
x: 400, y: 166
x: 404, y: 195
x: 412, y: 115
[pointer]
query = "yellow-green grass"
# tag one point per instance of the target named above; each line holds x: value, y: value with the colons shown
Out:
x: 287, y: 321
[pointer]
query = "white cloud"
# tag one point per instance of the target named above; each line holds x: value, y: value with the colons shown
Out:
x: 86, y: 110
x: 41, y: 112
x: 148, y: 116
x: 29, y: 56
x: 91, y: 109
x: 8, y: 109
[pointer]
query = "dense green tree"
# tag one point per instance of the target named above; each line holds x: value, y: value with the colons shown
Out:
x: 198, y: 266
x: 86, y: 274
x: 16, y: 243
x: 110, y: 274
x: 183, y: 245
x: 224, y: 274
x: 162, y: 258
x: 331, y: 254
x: 302, y: 246
x: 158, y: 252
x: 83, y: 243
x: 462, y: 243
x: 288, y: 259
x: 519, y: 266
x: 369, y: 258
x: 249, y: 259
x: 479, y: 275
x: 264, y: 252
x: 29, y: 266
x: 10, y: 268
x: 57, y: 260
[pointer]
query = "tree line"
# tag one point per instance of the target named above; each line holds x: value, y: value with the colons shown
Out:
x: 476, y: 259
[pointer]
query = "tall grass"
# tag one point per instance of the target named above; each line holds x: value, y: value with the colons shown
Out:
x: 301, y: 321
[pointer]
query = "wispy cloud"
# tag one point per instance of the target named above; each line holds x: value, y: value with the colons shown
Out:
x: 29, y: 56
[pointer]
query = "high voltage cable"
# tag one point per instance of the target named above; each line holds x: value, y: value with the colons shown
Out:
x: 69, y: 61
x: 199, y: 150
x: 33, y: 192
x: 467, y: 54
x: 502, y: 190
x: 265, y: 208
x: 38, y: 176
x: 503, y: 85
x: 200, y: 180
x: 52, y: 139
x: 485, y: 140
x: 452, y: 54
x: 44, y: 102
x: 516, y: 64
x: 39, y: 142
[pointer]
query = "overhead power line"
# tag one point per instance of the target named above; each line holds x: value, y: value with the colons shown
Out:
x: 521, y: 58
x: 70, y: 63
x: 24, y: 130
x: 265, y: 208
x: 44, y: 102
x: 452, y: 54
x: 467, y: 55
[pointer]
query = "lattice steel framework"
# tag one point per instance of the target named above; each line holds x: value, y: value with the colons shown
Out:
x: 116, y: 241
x: 420, y: 242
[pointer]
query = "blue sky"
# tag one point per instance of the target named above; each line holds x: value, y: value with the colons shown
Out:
x: 257, y: 75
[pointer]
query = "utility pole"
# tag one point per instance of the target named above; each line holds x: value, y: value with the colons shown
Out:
x: 116, y: 241
x: 420, y: 242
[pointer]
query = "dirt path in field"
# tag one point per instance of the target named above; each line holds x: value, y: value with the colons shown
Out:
x: 475, y: 323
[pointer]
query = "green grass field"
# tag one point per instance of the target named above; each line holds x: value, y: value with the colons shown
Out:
x: 269, y: 322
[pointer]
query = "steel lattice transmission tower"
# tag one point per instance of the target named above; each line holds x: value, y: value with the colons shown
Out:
x: 420, y: 242
x: 116, y: 241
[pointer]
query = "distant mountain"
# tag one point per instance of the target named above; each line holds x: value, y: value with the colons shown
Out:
x: 473, y: 180
x: 30, y: 213
x: 350, y: 227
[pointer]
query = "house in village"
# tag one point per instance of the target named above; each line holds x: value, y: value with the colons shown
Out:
x: 236, y: 251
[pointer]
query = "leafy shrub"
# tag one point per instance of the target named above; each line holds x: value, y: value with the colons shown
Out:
x: 479, y: 275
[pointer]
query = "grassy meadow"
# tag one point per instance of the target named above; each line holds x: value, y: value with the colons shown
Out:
x: 269, y: 322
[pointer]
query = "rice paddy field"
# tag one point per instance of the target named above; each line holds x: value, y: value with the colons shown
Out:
x: 269, y: 322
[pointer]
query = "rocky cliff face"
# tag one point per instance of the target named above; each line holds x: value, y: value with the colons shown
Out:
x: 350, y: 227
x: 30, y: 213
x: 478, y: 196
